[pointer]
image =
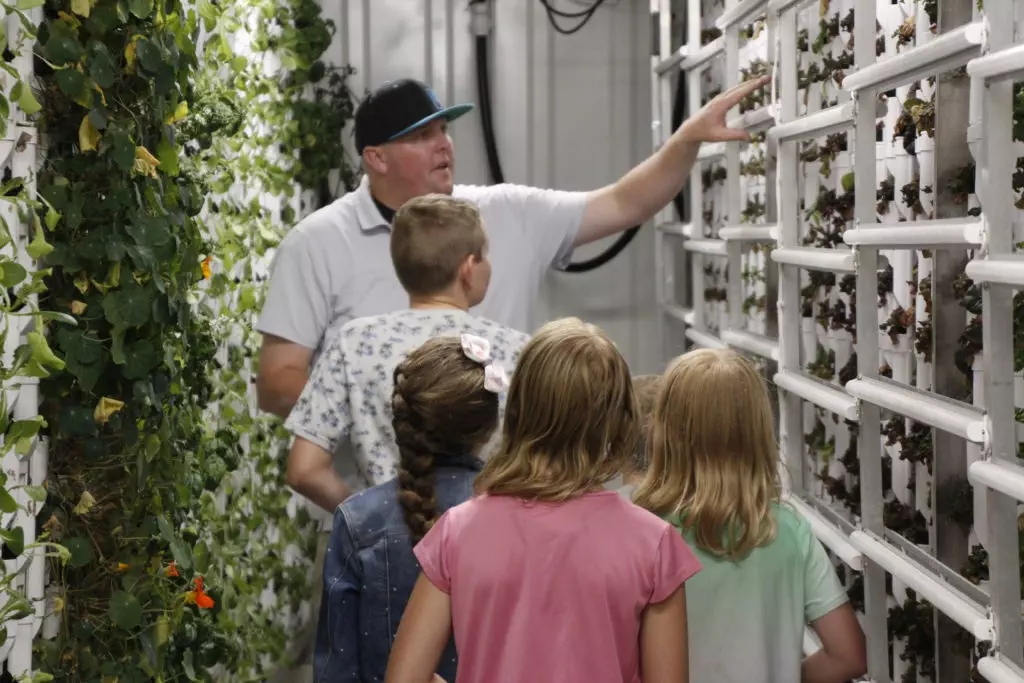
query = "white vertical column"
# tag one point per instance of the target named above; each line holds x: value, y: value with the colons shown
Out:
x: 994, y: 185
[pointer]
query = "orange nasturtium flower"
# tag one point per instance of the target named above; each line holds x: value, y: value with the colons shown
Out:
x: 172, y: 570
x: 207, y: 270
x: 199, y: 596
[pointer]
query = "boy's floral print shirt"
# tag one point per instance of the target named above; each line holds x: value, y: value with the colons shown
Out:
x: 348, y: 395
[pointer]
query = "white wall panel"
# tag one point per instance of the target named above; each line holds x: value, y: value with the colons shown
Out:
x: 570, y: 112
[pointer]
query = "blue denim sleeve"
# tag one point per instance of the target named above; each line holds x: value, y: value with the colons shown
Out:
x: 336, y: 656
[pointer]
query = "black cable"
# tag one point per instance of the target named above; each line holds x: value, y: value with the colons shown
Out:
x: 678, y: 114
x: 483, y: 82
x: 584, y: 16
x: 483, y: 86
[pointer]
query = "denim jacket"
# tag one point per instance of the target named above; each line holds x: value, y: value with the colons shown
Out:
x: 369, y: 573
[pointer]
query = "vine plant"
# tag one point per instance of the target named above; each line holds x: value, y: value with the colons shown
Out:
x: 165, y: 555
x: 125, y: 419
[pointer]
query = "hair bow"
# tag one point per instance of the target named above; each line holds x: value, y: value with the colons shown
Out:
x: 479, y: 349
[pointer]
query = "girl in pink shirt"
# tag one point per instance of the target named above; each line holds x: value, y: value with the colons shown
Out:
x: 546, y: 575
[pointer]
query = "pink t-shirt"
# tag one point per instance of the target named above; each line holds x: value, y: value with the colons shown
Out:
x: 552, y: 592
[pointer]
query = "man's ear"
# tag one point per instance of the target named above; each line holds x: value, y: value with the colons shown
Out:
x: 375, y: 159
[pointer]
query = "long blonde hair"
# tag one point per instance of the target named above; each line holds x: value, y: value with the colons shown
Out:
x: 570, y: 418
x: 714, y: 458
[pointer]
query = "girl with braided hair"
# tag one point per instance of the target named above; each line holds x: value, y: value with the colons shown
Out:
x: 445, y: 408
x: 547, y: 575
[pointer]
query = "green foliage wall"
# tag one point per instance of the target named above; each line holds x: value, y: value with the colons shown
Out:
x: 173, y: 162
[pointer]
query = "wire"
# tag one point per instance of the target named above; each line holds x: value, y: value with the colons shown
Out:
x: 584, y: 15
x: 483, y: 83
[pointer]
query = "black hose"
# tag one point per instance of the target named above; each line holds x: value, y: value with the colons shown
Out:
x: 678, y: 114
x: 483, y: 83
x: 483, y: 86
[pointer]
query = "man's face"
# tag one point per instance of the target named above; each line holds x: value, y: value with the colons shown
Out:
x: 422, y: 161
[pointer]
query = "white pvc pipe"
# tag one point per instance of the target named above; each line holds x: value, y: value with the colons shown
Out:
x: 706, y: 246
x: 997, y: 66
x: 1001, y: 270
x: 818, y: 124
x: 1004, y: 477
x: 748, y: 233
x: 754, y: 343
x: 818, y: 393
x: 948, y: 51
x: 930, y: 234
x: 956, y: 418
x: 950, y: 602
x: 813, y: 258
x: 833, y: 538
x: 704, y: 339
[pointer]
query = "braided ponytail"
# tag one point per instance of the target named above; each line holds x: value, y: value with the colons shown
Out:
x: 416, y: 491
x: 441, y: 411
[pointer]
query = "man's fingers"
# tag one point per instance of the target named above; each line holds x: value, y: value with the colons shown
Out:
x: 731, y: 97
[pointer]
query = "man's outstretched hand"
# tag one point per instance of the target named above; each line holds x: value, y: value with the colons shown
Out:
x: 708, y: 125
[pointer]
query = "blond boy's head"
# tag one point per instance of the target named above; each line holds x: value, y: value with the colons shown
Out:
x: 438, y: 246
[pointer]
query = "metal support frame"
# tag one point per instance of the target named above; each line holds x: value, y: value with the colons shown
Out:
x: 995, y: 170
x: 995, y: 614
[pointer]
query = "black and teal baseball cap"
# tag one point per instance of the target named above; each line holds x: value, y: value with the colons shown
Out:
x: 397, y: 108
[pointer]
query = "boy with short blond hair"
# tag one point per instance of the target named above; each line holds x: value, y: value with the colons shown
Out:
x: 439, y: 250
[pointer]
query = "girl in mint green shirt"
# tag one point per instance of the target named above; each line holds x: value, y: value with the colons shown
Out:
x: 715, y: 475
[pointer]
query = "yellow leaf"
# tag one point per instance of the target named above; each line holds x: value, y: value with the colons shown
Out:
x: 145, y: 162
x: 80, y: 7
x: 69, y: 19
x: 129, y: 52
x: 82, y: 282
x: 88, y: 136
x: 205, y: 265
x: 103, y: 98
x: 85, y: 503
x: 180, y: 112
x: 78, y: 307
x: 105, y: 408
x: 113, y: 275
x: 58, y: 605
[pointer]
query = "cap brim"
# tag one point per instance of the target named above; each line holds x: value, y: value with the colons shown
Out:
x: 448, y: 113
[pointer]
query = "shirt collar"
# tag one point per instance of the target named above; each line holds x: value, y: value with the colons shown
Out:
x: 366, y: 209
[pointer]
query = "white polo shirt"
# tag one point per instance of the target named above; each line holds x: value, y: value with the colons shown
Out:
x: 335, y: 265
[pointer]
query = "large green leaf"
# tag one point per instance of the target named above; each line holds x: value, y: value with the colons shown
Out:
x: 121, y: 148
x: 80, y: 549
x: 101, y: 66
x: 141, y: 8
x: 12, y: 273
x: 181, y: 552
x: 7, y: 502
x: 150, y: 231
x: 76, y: 420
x: 71, y: 82
x: 149, y: 55
x: 125, y: 610
x: 139, y: 359
x: 128, y: 306
x: 13, y: 540
x: 63, y: 46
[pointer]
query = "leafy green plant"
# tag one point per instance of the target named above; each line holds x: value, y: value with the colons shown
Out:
x: 172, y: 535
x: 125, y: 419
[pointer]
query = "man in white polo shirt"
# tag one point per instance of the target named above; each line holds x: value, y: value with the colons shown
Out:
x: 335, y: 265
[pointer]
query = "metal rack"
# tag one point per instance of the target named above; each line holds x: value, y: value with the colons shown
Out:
x: 987, y: 50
